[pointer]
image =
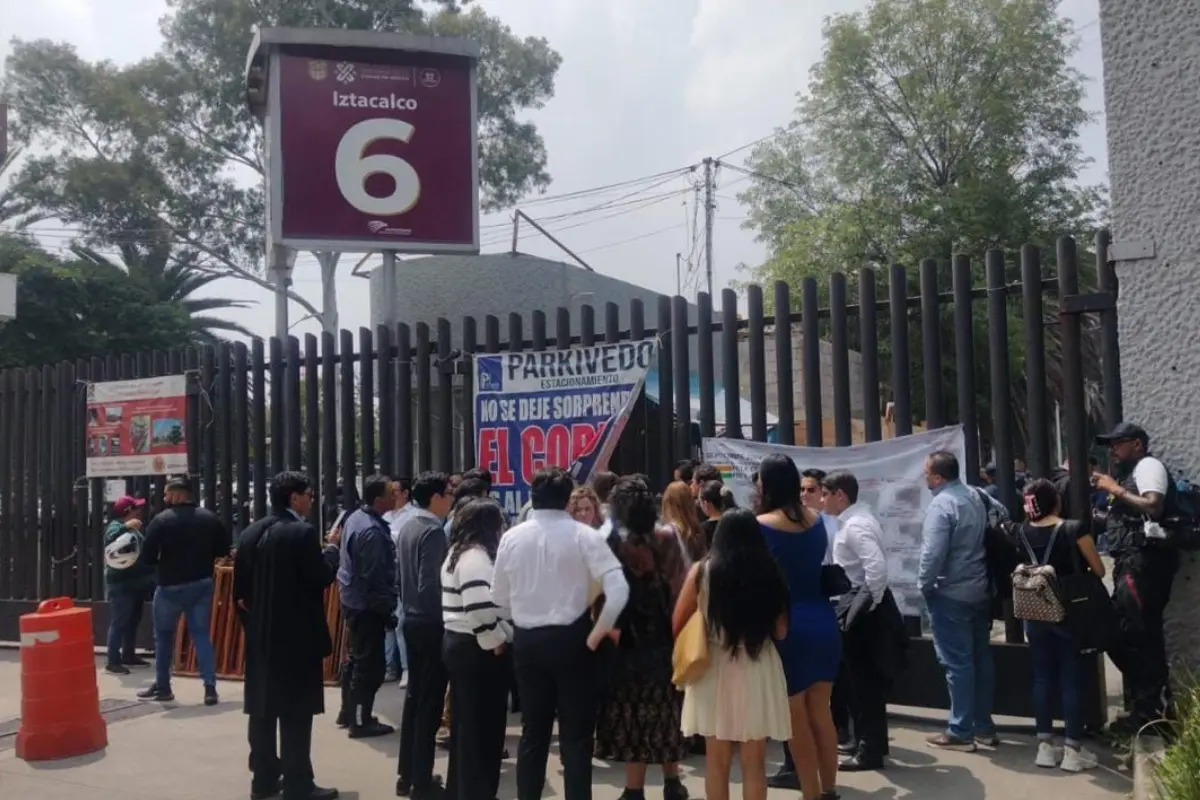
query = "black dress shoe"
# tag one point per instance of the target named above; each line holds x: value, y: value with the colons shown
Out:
x: 860, y: 763
x: 265, y: 793
x: 316, y: 793
x: 372, y: 729
x: 784, y: 779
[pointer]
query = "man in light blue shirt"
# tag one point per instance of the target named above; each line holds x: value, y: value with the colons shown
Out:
x: 953, y: 576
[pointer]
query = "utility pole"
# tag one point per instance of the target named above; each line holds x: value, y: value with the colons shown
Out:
x: 678, y: 274
x: 709, y: 207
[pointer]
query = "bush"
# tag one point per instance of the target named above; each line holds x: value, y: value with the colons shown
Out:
x: 1178, y: 774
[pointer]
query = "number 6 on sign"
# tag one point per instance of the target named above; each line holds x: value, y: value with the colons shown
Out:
x: 352, y: 168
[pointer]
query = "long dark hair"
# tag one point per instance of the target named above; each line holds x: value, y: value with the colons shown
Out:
x: 477, y: 523
x: 746, y: 588
x: 780, y: 481
x: 632, y: 505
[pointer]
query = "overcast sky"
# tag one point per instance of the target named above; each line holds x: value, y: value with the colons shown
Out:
x: 644, y: 87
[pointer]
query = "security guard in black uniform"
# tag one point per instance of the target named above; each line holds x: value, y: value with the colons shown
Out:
x: 1145, y: 563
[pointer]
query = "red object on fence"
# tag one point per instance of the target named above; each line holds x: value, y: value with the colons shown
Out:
x: 60, y: 699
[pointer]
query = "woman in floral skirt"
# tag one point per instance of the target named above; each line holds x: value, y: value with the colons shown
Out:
x: 638, y: 721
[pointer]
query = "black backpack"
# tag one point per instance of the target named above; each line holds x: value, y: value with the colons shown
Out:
x: 1182, y: 518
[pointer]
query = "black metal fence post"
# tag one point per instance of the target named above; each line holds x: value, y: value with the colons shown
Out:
x: 964, y: 358
x: 1037, y: 453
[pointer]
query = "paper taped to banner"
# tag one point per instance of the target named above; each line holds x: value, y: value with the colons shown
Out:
x: 891, y: 482
x: 563, y: 408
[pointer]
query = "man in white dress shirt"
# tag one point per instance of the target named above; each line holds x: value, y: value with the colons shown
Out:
x: 544, y: 569
x: 858, y: 549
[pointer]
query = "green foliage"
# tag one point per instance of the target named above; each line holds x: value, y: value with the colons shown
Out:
x: 72, y: 309
x: 1178, y: 774
x: 206, y: 42
x: 168, y: 144
x: 929, y: 128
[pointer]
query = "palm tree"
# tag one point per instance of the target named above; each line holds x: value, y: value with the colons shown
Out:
x: 169, y: 278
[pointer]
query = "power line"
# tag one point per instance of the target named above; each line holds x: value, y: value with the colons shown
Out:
x: 637, y: 238
x: 555, y: 198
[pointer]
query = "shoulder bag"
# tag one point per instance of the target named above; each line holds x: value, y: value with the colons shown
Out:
x: 689, y: 658
x: 1090, y: 616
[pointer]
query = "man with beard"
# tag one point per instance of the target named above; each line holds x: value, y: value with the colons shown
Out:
x: 280, y: 573
x: 1143, y: 569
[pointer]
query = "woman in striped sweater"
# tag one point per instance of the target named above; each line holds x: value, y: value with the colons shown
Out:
x: 475, y: 650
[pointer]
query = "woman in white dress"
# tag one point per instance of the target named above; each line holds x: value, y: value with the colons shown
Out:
x: 741, y: 699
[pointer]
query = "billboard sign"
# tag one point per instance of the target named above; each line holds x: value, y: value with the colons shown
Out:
x: 562, y: 408
x: 372, y: 149
x: 137, y: 427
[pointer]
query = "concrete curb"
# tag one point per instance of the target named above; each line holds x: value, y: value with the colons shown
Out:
x: 1147, y: 750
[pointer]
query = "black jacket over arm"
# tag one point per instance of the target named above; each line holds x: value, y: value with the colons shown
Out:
x: 280, y: 573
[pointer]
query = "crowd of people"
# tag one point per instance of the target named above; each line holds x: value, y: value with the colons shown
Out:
x: 576, y: 613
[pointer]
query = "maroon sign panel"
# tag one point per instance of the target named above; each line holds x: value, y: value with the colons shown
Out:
x: 376, y: 156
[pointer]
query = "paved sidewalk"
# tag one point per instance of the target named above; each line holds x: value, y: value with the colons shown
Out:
x: 185, y: 751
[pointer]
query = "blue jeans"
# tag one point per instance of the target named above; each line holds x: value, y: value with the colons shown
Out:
x: 124, y: 615
x: 1056, y: 657
x: 962, y: 641
x: 395, y: 653
x: 194, y: 601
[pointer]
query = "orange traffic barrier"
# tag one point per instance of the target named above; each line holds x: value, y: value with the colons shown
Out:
x: 60, y: 699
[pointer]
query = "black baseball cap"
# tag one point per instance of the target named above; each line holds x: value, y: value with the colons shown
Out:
x: 178, y: 483
x: 1124, y: 432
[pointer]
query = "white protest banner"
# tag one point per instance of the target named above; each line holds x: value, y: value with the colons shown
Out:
x: 891, y: 482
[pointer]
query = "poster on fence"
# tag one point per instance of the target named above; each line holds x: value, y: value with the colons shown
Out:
x: 891, y: 482
x: 563, y: 408
x: 137, y: 427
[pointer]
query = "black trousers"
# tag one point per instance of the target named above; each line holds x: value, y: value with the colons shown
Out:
x: 478, y: 717
x: 424, y: 700
x: 292, y: 760
x: 839, y: 702
x: 364, y: 668
x: 866, y: 684
x: 555, y: 673
x: 1141, y: 590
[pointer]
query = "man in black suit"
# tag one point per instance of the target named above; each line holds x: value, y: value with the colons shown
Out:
x: 279, y: 578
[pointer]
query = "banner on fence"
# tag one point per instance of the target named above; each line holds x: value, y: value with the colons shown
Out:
x: 563, y: 408
x: 137, y: 427
x: 891, y: 482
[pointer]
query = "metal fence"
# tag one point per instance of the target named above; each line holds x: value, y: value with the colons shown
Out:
x: 399, y: 400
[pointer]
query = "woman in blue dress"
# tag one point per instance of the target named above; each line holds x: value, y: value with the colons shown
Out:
x: 812, y: 649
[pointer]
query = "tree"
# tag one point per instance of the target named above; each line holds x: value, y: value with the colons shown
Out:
x: 70, y: 311
x: 930, y: 127
x: 13, y: 209
x: 170, y: 140
x: 164, y: 280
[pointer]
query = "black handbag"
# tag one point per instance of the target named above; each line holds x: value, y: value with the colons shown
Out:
x: 1090, y: 616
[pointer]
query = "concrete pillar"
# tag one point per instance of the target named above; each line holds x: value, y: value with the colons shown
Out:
x: 1152, y: 99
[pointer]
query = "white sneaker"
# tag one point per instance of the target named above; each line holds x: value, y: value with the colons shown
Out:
x: 1048, y: 756
x: 1077, y: 760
